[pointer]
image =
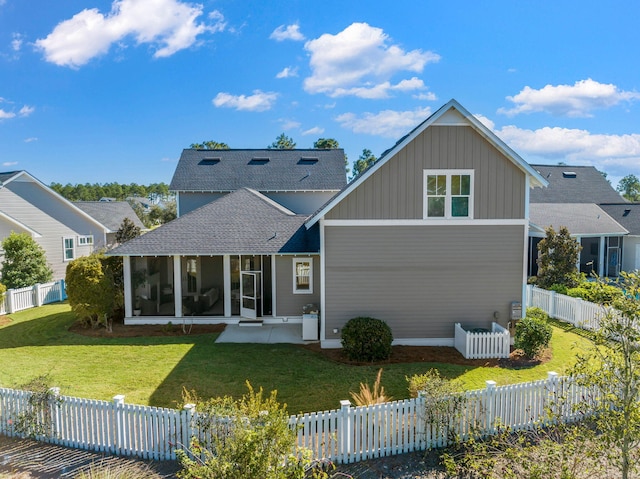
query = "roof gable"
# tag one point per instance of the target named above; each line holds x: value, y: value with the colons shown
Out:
x: 110, y: 213
x: 261, y: 170
x: 574, y: 184
x: 451, y: 114
x: 243, y: 222
x: 19, y: 176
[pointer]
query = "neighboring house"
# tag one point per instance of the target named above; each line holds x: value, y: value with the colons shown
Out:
x: 432, y: 234
x: 111, y: 214
x: 62, y: 229
x: 628, y: 215
x: 575, y: 198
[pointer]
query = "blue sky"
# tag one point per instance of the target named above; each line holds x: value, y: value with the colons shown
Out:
x: 104, y: 90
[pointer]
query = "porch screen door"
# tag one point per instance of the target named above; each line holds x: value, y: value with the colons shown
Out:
x: 248, y: 294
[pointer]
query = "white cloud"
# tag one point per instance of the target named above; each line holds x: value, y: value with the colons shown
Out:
x: 288, y: 72
x: 289, y: 124
x: 169, y: 25
x: 616, y: 154
x: 9, y: 163
x: 577, y: 100
x: 289, y: 32
x: 25, y: 111
x: 429, y: 96
x: 485, y: 121
x: 387, y: 123
x: 30, y: 139
x: 16, y: 43
x: 259, y: 101
x: 316, y: 130
x: 360, y: 61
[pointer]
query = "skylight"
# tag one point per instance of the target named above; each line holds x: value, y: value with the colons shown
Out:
x: 259, y: 161
x: 307, y: 161
x: 209, y: 161
x: 569, y: 174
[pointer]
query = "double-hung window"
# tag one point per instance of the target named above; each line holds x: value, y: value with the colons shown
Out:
x: 302, y: 276
x: 448, y: 194
x: 69, y: 249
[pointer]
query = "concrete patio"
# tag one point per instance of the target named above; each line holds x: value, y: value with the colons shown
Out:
x: 265, y: 334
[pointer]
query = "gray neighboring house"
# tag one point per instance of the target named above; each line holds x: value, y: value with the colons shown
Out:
x: 64, y: 231
x: 628, y: 216
x: 111, y: 214
x: 575, y: 198
x: 432, y: 234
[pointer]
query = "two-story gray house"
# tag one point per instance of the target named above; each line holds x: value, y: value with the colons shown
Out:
x: 433, y: 234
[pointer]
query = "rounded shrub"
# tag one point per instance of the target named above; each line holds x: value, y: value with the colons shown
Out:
x: 533, y: 333
x: 367, y: 339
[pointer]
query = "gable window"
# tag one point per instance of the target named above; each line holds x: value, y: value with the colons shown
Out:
x: 448, y: 194
x: 85, y: 240
x: 69, y: 249
x: 302, y: 276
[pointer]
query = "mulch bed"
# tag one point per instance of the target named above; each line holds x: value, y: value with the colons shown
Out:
x: 4, y: 320
x: 122, y: 331
x: 436, y: 354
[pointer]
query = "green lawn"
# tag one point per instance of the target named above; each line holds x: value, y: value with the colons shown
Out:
x: 154, y: 370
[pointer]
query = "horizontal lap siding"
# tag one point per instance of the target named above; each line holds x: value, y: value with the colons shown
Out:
x: 422, y: 279
x: 395, y: 190
x: 288, y: 303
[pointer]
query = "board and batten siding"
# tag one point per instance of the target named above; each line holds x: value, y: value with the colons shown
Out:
x: 51, y: 218
x: 396, y: 190
x: 288, y: 303
x: 422, y: 279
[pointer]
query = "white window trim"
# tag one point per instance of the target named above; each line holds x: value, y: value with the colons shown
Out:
x: 447, y: 201
x: 64, y: 248
x: 296, y: 261
x: 86, y: 240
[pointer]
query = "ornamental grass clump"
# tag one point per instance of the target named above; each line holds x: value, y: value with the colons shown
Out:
x: 367, y: 339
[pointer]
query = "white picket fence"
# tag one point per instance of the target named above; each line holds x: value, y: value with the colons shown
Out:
x: 344, y: 435
x: 32, y: 296
x: 483, y: 345
x: 582, y: 314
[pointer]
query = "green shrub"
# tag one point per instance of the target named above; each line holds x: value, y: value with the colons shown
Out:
x: 533, y: 333
x: 3, y: 289
x: 558, y: 288
x: 367, y: 339
x: 595, y: 292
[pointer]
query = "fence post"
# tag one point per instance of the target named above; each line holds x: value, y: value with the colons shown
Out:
x: 54, y: 410
x: 344, y: 437
x: 489, y: 406
x: 36, y: 292
x: 63, y: 292
x: 117, y: 445
x: 186, y: 430
x: 554, y: 405
x: 579, y: 314
x: 9, y: 296
x: 552, y: 305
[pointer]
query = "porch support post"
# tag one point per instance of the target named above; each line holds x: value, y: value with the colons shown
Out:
x: 177, y: 286
x: 226, y: 273
x: 126, y: 272
x: 601, y: 259
x: 323, y: 301
x: 273, y: 284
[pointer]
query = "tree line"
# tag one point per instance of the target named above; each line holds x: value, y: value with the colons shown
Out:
x: 94, y: 192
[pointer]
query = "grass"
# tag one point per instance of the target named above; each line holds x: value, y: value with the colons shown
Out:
x: 154, y: 370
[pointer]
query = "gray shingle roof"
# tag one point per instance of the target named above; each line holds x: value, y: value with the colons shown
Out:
x: 6, y: 175
x: 627, y: 214
x: 243, y: 222
x: 581, y: 219
x: 587, y: 186
x: 286, y: 170
x: 110, y: 213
